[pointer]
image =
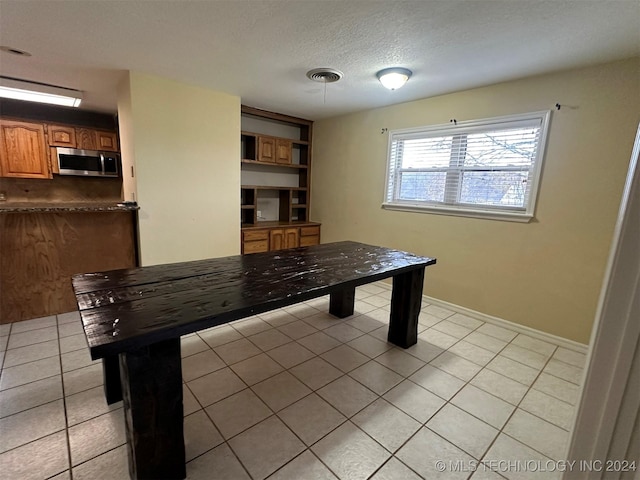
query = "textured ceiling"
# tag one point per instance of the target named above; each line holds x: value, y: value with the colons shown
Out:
x: 261, y: 50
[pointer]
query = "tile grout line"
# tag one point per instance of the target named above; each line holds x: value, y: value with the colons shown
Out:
x: 64, y: 406
x: 501, y: 430
x: 468, y: 382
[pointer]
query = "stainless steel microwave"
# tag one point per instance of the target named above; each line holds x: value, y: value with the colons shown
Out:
x: 92, y: 163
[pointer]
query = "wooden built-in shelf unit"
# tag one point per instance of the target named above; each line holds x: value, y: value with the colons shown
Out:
x: 276, y: 170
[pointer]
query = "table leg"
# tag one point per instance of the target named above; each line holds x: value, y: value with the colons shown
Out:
x: 341, y: 303
x: 111, y: 375
x: 406, y: 300
x: 152, y: 397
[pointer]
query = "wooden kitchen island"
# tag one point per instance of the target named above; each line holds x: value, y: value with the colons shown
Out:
x: 43, y: 244
x: 138, y: 316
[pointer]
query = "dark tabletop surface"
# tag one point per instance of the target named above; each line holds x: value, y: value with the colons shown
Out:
x: 42, y: 207
x: 126, y: 309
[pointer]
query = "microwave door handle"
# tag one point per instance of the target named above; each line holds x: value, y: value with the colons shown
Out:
x: 102, y: 163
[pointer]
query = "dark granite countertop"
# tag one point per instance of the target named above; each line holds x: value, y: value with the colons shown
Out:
x: 36, y: 207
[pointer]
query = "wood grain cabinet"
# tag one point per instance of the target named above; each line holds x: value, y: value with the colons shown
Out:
x: 87, y: 139
x: 283, y: 151
x: 275, y: 159
x: 267, y: 149
x: 291, y: 237
x: 309, y: 236
x: 61, y: 136
x: 107, y: 141
x: 279, y: 238
x: 40, y: 251
x: 255, y: 241
x: 92, y: 139
x: 28, y: 149
x: 23, y: 150
x: 274, y: 150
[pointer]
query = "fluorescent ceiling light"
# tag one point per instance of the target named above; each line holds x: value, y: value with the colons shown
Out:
x: 38, y: 92
x: 394, y: 78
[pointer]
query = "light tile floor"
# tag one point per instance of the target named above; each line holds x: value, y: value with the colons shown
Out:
x: 298, y: 394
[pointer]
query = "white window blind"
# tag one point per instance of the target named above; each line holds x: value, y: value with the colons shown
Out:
x: 487, y: 166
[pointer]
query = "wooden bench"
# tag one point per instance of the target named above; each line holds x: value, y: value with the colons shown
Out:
x: 133, y: 320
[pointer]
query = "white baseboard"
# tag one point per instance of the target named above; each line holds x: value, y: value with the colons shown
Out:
x: 500, y: 322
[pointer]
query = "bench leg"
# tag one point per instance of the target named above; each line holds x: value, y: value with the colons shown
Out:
x: 152, y: 397
x: 406, y: 300
x: 111, y: 374
x: 341, y: 303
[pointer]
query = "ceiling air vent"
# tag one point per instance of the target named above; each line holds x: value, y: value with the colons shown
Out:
x: 324, y: 75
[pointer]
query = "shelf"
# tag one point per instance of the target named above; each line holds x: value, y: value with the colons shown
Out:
x: 256, y: 135
x: 272, y: 224
x: 270, y: 164
x: 272, y: 187
x: 266, y: 137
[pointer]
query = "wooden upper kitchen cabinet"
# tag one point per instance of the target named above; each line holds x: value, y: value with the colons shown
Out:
x: 61, y: 136
x: 82, y: 138
x: 274, y: 150
x: 107, y: 141
x: 283, y: 151
x: 90, y: 139
x: 23, y: 150
x: 266, y: 149
x: 87, y: 138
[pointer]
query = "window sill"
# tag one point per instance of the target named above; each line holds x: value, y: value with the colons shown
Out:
x: 489, y: 215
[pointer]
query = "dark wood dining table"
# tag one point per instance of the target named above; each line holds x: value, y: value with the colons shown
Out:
x: 133, y: 320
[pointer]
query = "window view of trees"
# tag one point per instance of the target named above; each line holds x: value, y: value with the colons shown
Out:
x: 490, y: 168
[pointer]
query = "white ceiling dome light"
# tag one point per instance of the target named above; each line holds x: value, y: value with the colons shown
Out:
x: 394, y: 78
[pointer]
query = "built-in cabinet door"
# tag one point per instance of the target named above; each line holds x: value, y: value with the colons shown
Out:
x: 61, y: 136
x: 292, y: 237
x: 267, y: 149
x: 23, y: 150
x: 53, y: 160
x: 107, y: 141
x: 255, y: 241
x: 283, y: 151
x: 309, y: 236
x: 277, y: 240
x: 87, y: 139
x: 281, y: 238
x: 308, y: 241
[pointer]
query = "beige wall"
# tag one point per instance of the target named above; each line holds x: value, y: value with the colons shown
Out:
x: 546, y: 274
x: 185, y: 146
x: 127, y: 144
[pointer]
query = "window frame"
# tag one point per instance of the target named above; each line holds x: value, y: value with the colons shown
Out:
x: 464, y: 209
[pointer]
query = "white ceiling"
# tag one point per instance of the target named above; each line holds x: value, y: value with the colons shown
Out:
x: 261, y: 49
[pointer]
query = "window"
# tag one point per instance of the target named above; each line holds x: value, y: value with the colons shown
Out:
x: 484, y: 168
